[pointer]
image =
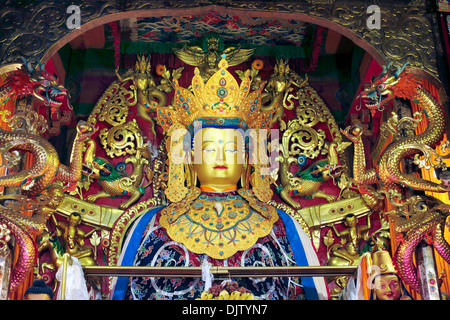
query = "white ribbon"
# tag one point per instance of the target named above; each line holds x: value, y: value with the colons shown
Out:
x: 76, y: 288
x: 207, y: 276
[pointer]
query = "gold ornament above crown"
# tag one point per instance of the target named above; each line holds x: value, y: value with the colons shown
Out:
x: 220, y: 98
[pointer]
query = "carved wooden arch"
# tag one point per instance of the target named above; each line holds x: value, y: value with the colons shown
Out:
x: 220, y: 9
x: 37, y: 29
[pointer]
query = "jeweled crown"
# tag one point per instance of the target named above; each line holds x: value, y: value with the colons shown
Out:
x: 221, y: 97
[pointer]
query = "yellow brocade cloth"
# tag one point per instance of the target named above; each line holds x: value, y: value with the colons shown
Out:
x: 218, y: 224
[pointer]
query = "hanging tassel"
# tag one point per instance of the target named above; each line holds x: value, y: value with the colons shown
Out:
x: 207, y: 276
x: 176, y: 190
x: 116, y: 43
x: 317, y: 46
x: 261, y: 179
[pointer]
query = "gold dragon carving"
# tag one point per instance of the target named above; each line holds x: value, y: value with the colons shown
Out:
x: 388, y: 172
x: 34, y: 181
x: 301, y: 140
x: 421, y: 218
x: 113, y: 179
x: 46, y: 167
x: 427, y: 222
x: 24, y: 218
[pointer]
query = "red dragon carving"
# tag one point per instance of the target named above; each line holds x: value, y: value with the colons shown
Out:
x: 33, y: 81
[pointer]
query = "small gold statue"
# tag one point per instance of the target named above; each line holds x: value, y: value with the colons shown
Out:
x: 352, y: 237
x: 207, y: 56
x: 278, y: 86
x: 144, y: 87
x: 68, y: 238
x: 74, y: 237
x: 350, y: 254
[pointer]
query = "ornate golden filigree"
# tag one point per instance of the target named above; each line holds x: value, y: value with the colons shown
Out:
x: 299, y: 139
x: 112, y: 107
x: 122, y: 139
x: 303, y: 140
x: 35, y: 123
x: 115, y: 108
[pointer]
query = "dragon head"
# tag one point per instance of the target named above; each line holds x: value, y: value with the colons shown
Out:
x: 37, y: 82
x: 319, y: 171
x: 101, y: 169
x: 326, y: 169
x: 387, y: 85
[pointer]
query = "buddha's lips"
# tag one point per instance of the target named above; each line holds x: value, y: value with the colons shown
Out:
x: 220, y: 167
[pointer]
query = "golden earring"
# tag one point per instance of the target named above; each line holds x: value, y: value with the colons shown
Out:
x: 176, y: 190
x: 261, y: 180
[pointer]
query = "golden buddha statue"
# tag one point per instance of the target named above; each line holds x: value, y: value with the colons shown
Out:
x: 218, y: 190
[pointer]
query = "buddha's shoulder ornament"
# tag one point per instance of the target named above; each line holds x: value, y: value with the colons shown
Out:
x: 174, y: 210
x: 266, y: 210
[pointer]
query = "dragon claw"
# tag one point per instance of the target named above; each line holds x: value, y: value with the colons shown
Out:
x: 429, y: 239
x: 399, y: 238
x: 352, y: 133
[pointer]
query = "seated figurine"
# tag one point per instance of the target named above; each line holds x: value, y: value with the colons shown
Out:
x: 218, y: 191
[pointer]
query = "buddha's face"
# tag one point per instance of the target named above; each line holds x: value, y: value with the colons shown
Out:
x: 221, y: 155
x: 387, y: 287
